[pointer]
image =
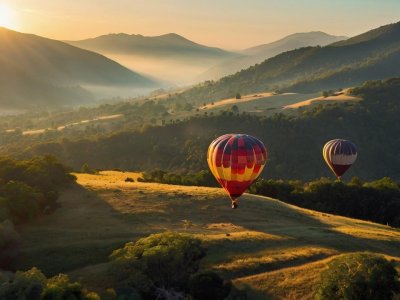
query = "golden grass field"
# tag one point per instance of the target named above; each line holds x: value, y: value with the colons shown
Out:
x: 341, y: 97
x: 272, y: 249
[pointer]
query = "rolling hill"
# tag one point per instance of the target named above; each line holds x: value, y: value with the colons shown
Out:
x: 372, y: 55
x: 269, y: 248
x: 37, y: 71
x: 258, y: 54
x: 169, y: 57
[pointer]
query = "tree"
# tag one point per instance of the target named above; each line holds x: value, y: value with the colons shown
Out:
x: 358, y: 276
x: 235, y: 109
x: 165, y: 260
x: 86, y: 169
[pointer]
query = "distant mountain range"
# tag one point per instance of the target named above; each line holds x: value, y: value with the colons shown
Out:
x: 372, y: 55
x: 258, y: 54
x: 37, y: 71
x: 167, y: 45
x: 169, y: 57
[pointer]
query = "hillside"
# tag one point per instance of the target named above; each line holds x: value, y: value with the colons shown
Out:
x: 269, y: 248
x: 372, y: 55
x: 294, y: 142
x: 258, y: 54
x: 37, y: 71
x: 170, y: 57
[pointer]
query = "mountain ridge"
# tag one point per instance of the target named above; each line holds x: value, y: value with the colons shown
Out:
x: 258, y: 54
x: 137, y: 43
x: 46, y: 68
x: 286, y: 69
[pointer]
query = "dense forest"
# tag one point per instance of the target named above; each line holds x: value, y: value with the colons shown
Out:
x: 294, y: 143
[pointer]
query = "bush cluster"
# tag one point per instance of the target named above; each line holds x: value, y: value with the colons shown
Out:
x: 33, y: 285
x: 358, y: 276
x: 165, y: 266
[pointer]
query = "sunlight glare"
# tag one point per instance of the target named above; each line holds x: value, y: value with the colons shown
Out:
x: 6, y: 16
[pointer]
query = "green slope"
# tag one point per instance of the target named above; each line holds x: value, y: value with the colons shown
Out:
x: 260, y: 53
x: 354, y: 60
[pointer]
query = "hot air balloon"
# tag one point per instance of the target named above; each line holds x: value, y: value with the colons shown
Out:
x: 339, y: 155
x: 236, y: 160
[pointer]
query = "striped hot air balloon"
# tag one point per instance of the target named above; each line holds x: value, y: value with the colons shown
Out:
x: 236, y: 160
x: 339, y: 155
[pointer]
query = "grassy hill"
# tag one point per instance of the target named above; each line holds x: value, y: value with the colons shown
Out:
x: 267, y: 247
x: 257, y: 54
x: 372, y: 55
x: 40, y: 71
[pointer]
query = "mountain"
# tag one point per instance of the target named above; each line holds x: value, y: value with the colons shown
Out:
x: 169, y: 57
x: 369, y: 56
x: 40, y: 71
x: 258, y: 54
x: 293, y: 41
x: 167, y: 45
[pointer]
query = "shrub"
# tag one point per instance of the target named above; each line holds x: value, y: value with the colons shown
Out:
x: 208, y: 285
x: 164, y: 260
x: 23, y: 285
x: 86, y: 169
x: 358, y: 276
x: 60, y: 287
x: 33, y: 285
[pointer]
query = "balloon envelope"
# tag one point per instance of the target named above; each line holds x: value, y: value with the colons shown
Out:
x: 339, y: 155
x: 236, y: 160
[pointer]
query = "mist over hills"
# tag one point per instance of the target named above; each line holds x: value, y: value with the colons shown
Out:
x: 169, y: 57
x: 258, y: 54
x: 170, y: 44
x: 40, y: 71
x: 372, y: 55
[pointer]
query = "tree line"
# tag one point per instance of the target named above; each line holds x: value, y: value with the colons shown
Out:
x: 294, y: 143
x: 377, y: 201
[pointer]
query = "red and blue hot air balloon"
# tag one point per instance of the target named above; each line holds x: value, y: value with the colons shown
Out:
x: 236, y: 160
x: 339, y: 155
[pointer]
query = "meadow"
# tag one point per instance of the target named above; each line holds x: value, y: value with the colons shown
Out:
x: 266, y: 247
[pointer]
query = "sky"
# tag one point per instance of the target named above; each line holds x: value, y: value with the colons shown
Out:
x: 229, y: 24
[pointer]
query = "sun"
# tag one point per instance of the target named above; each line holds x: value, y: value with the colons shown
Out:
x: 6, y: 16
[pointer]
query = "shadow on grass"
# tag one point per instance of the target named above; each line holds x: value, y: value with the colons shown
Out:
x: 85, y: 229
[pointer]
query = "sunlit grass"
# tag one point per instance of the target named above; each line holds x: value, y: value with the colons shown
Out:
x: 273, y: 248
